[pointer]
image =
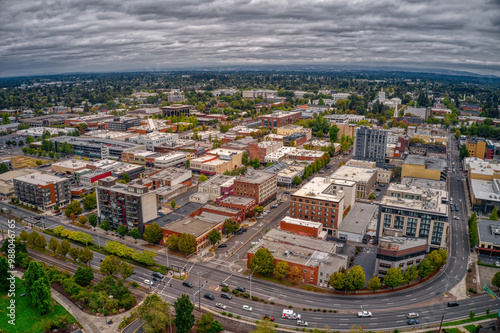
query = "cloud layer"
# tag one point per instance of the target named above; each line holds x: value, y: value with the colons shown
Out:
x: 54, y: 36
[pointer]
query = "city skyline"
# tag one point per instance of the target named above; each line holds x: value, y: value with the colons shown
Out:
x: 58, y: 37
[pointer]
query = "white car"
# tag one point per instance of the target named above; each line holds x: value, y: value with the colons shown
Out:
x: 364, y: 314
x: 412, y: 315
x: 302, y: 323
x: 148, y: 282
x: 456, y: 218
x: 247, y: 307
x: 220, y: 306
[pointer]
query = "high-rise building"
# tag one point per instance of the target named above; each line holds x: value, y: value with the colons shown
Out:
x: 43, y: 191
x: 370, y: 144
x: 131, y: 205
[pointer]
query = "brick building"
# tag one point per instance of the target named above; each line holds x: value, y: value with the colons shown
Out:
x: 260, y: 185
x: 239, y: 203
x: 259, y: 150
x: 302, y: 227
x: 278, y: 119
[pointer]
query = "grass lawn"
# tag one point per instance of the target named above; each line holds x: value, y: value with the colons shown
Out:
x: 20, y: 162
x: 472, y: 328
x: 465, y: 321
x: 453, y: 330
x: 28, y: 319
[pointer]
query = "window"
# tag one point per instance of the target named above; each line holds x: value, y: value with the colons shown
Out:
x: 387, y: 220
x: 311, y: 279
x: 305, y: 271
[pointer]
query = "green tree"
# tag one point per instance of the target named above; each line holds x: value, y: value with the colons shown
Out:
x: 135, y: 234
x: 154, y: 313
x: 259, y: 209
x: 90, y: 201
x: 33, y: 238
x: 5, y: 119
x: 110, y: 265
x: 494, y: 214
x: 126, y: 177
x: 38, y: 162
x: 105, y: 226
x: 425, y: 269
x: 464, y: 152
x: 30, y: 139
x: 371, y: 196
x: 4, y: 273
x: 121, y: 230
x: 126, y: 270
x: 374, y: 283
x: 202, y: 178
x: 187, y: 243
x: 338, y: 280
x: 184, y: 319
x: 255, y: 163
x: 82, y: 219
x: 263, y: 262
x: 264, y: 326
x: 393, y: 278
x: 73, y: 207
x: 437, y: 258
x: 496, y: 280
x: 85, y: 256
x: 63, y: 248
x: 73, y: 252
x: 244, y: 159
x: 296, y: 180
x: 53, y: 243
x: 153, y: 233
x: 355, y: 278
x: 41, y: 242
x: 24, y: 235
x: 93, y: 220
x: 410, y: 274
x: 83, y: 276
x: 281, y: 270
x: 214, y: 236
x: 320, y: 134
x: 173, y: 204
x: 37, y: 286
x: 173, y: 242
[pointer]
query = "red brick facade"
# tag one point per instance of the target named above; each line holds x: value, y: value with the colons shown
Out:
x: 302, y: 230
x: 274, y: 121
x: 244, y: 208
x: 314, y: 210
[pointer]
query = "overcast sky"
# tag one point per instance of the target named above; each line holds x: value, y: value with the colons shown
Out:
x: 57, y: 36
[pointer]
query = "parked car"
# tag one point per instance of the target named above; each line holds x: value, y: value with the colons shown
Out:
x: 268, y: 317
x: 221, y: 246
x: 224, y: 284
x: 37, y: 217
x: 220, y: 306
x: 58, y: 214
x: 453, y: 303
x: 302, y: 323
x: 241, y: 289
x: 274, y: 206
x: 412, y: 315
x: 497, y: 263
x: 247, y: 307
x: 148, y: 282
x: 244, y: 229
x: 413, y: 322
x: 239, y: 232
x: 187, y: 284
x: 226, y: 295
x: 209, y: 296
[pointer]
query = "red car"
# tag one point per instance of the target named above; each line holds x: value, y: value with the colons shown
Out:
x: 266, y: 316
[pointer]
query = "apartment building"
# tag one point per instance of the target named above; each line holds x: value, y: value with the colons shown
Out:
x: 96, y: 147
x: 43, y: 191
x: 176, y: 110
x: 170, y: 160
x: 217, y: 161
x: 278, y: 119
x: 131, y: 205
x: 291, y: 129
x: 295, y: 139
x: 122, y: 124
x: 413, y: 211
x: 399, y: 252
x: 364, y: 176
x: 489, y: 231
x: 260, y: 185
x: 260, y: 150
x: 170, y: 177
x: 319, y: 201
x: 217, y: 187
x: 239, y: 203
x: 484, y: 183
x: 370, y: 144
x: 481, y: 148
x: 260, y: 92
x: 425, y: 167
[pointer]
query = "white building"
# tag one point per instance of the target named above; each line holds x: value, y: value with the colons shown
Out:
x: 154, y: 139
x: 169, y: 160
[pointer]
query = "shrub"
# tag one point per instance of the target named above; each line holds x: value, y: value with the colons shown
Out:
x: 265, y: 302
x: 330, y: 311
x: 135, y: 284
x: 246, y: 295
x: 225, y: 289
x: 290, y: 306
x: 469, y: 270
x: 255, y: 298
x: 272, y: 302
x: 229, y: 314
x: 472, y: 314
x: 303, y: 309
x: 275, y: 325
x: 238, y: 317
x: 310, y: 309
x: 396, y: 330
x: 296, y: 328
x: 223, y: 313
x: 235, y: 292
x: 324, y: 310
x: 488, y: 311
x: 334, y: 311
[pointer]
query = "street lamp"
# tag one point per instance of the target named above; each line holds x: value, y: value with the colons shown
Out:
x: 251, y: 280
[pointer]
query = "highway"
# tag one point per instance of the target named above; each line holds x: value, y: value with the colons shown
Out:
x: 389, y: 309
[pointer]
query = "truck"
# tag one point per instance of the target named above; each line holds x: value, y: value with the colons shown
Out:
x: 364, y: 314
x: 289, y: 314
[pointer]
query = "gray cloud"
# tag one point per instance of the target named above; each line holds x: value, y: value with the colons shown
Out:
x: 53, y: 36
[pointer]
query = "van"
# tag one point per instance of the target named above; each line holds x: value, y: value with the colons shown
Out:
x: 187, y: 284
x: 289, y: 314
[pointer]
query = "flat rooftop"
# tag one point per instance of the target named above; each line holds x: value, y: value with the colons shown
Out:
x: 489, y: 231
x: 359, y: 218
x: 40, y: 179
x: 432, y: 200
x: 431, y: 163
x: 217, y: 180
x: 191, y: 225
x: 354, y: 173
x: 170, y: 173
x: 242, y: 201
x: 309, y: 224
x: 400, y: 243
x: 96, y: 142
x: 72, y: 164
x: 321, y: 189
x: 485, y: 189
x: 435, y: 184
x: 255, y: 176
x: 177, y: 214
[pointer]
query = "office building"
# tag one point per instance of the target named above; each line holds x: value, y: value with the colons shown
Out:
x: 363, y: 175
x: 122, y: 124
x: 154, y: 139
x: 399, y: 252
x: 96, y: 147
x: 370, y: 144
x: 260, y: 150
x: 176, y: 110
x: 260, y: 185
x: 170, y: 160
x: 217, y: 161
x: 480, y: 148
x: 489, y: 237
x: 43, y: 191
x: 278, y: 119
x: 425, y: 167
x: 260, y: 93
x: 131, y: 204
x: 291, y: 129
x: 359, y: 223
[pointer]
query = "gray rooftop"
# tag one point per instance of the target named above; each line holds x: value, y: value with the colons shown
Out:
x: 306, y: 242
x: 489, y: 231
x: 255, y: 176
x: 431, y: 163
x: 237, y: 200
x: 430, y: 183
x: 358, y: 218
x: 177, y: 214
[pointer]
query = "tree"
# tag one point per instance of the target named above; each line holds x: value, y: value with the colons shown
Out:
x: 296, y: 180
x: 93, y: 221
x: 338, y: 280
x: 295, y: 275
x: 374, y: 283
x: 202, y: 178
x: 32, y: 238
x: 255, y: 163
x: 110, y: 265
x: 496, y: 280
x: 135, y: 234
x: 214, y: 236
x: 73, y: 207
x: 410, y: 274
x: 437, y: 258
x: 5, y: 119
x: 172, y: 242
x: 4, y: 273
x: 262, y: 261
x: 244, y: 159
x: 184, y: 319
x: 187, y: 243
x: 281, y: 270
x: 320, y: 134
x: 72, y: 217
x: 63, y: 248
x: 85, y: 256
x: 83, y: 276
x: 355, y: 278
x: 73, y: 252
x: 53, y: 243
x: 82, y: 219
x: 173, y: 204
x: 105, y: 226
x: 90, y: 201
x: 23, y: 235
x: 122, y: 230
x: 425, y: 269
x: 154, y: 313
x: 371, y: 196
x: 393, y: 277
x: 126, y: 270
x: 264, y: 326
x: 153, y: 233
x: 494, y: 214
x: 30, y: 139
x: 37, y: 286
x: 464, y: 152
x: 259, y: 209
x: 38, y: 162
x: 41, y: 242
x: 126, y: 177
x: 206, y: 324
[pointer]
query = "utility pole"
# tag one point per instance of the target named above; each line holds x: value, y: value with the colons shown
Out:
x: 251, y: 281
x: 441, y: 324
x: 199, y: 292
x: 166, y: 252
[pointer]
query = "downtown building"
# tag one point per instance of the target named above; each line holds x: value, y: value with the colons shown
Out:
x: 43, y: 191
x: 131, y: 205
x: 260, y: 185
x: 370, y: 145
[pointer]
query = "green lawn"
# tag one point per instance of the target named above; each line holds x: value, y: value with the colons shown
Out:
x: 28, y: 319
x: 452, y: 330
x: 471, y: 328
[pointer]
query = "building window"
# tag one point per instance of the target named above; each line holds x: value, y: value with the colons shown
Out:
x: 387, y: 220
x: 411, y: 226
x: 399, y: 222
x: 437, y: 233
